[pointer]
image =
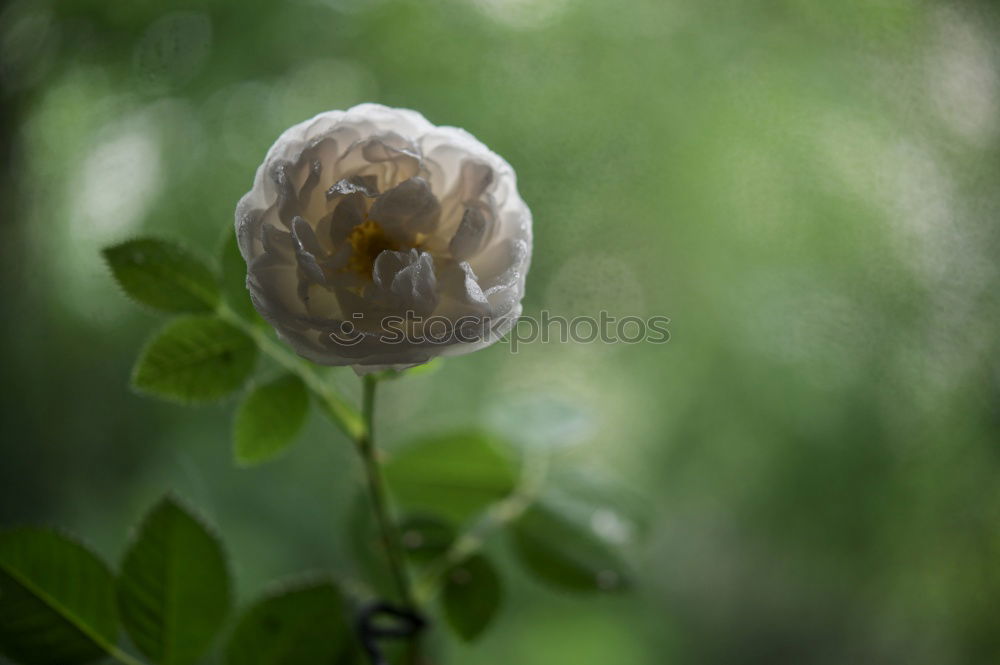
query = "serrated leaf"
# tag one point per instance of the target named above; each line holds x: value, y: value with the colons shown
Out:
x: 455, y: 475
x: 269, y: 418
x: 303, y: 625
x: 57, y: 604
x: 174, y: 590
x: 195, y: 359
x: 471, y: 596
x: 564, y: 553
x: 425, y: 537
x: 162, y: 275
x: 234, y: 278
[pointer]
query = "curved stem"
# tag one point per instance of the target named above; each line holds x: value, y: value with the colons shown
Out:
x: 123, y: 657
x: 501, y: 513
x: 380, y: 502
x: 359, y: 428
x: 343, y: 415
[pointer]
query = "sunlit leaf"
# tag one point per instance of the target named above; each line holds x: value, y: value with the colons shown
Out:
x: 302, y: 625
x: 57, y: 604
x: 173, y: 591
x: 195, y: 359
x: 471, y: 596
x: 269, y: 418
x: 565, y: 553
x: 453, y: 475
x: 162, y: 275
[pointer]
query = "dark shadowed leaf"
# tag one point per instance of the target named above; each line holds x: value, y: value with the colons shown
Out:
x: 57, y: 604
x: 173, y: 591
x: 195, y: 359
x: 425, y: 538
x: 268, y: 419
x: 565, y: 553
x: 304, y: 625
x: 471, y: 596
x: 453, y: 475
x: 163, y: 276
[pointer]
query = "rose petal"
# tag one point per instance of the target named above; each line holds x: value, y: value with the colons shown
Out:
x: 288, y: 198
x: 354, y: 184
x: 472, y: 235
x: 448, y: 203
x: 407, y: 209
x: 307, y: 250
x: 408, y: 280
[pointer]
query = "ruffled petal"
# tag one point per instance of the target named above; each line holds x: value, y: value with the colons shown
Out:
x: 372, y: 212
x: 408, y: 209
x: 407, y: 281
x: 307, y: 250
x: 473, y: 234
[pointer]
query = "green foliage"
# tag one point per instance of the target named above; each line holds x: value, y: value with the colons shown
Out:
x: 471, y: 596
x: 809, y: 188
x: 57, y: 602
x: 340, y: 413
x: 566, y: 554
x: 429, y: 367
x: 306, y: 624
x: 366, y: 548
x: 454, y: 475
x: 195, y: 359
x: 425, y: 537
x: 268, y: 419
x: 163, y: 276
x: 234, y: 278
x: 173, y: 590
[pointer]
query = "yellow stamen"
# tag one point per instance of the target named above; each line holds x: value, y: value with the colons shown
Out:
x: 367, y: 241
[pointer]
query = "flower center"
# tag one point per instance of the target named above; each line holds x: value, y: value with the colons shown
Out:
x: 367, y: 241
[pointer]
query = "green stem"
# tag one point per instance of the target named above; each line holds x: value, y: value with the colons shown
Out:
x: 358, y: 427
x: 501, y: 513
x: 379, y: 499
x: 123, y: 657
x: 340, y: 411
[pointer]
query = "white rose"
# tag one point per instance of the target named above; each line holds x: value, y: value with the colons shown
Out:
x: 375, y: 239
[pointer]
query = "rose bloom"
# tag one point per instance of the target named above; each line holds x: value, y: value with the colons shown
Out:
x: 375, y: 239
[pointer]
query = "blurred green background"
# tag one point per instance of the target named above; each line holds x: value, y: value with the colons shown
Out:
x: 810, y: 469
